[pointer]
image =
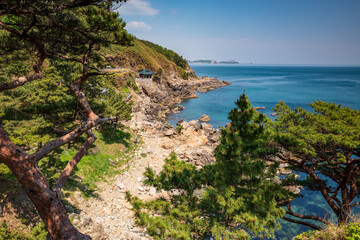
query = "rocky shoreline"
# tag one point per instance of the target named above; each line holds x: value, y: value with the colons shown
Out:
x: 155, y: 100
x: 109, y: 216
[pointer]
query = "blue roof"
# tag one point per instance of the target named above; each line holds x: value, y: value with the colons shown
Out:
x: 146, y: 72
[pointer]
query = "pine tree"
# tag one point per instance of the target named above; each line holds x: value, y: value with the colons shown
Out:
x: 51, y: 91
x: 323, y: 144
x: 232, y: 198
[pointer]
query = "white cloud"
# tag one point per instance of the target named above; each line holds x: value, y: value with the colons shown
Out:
x: 137, y: 26
x: 137, y: 7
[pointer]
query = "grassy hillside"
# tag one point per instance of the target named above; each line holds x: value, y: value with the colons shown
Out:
x: 169, y: 54
x: 143, y: 55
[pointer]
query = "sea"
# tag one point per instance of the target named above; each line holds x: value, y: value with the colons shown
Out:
x: 266, y: 85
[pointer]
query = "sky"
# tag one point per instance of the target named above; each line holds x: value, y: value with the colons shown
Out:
x: 308, y: 32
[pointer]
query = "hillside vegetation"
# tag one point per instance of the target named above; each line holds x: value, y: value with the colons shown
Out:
x: 169, y: 54
x: 42, y: 111
x: 146, y: 55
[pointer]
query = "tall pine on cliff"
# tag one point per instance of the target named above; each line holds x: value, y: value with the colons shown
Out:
x: 233, y: 198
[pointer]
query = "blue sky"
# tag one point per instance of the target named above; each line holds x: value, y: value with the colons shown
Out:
x: 325, y: 32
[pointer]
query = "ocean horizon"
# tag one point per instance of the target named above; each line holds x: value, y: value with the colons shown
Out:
x: 297, y: 86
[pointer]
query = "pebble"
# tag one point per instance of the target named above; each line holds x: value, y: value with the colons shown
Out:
x: 152, y: 191
x: 121, y: 186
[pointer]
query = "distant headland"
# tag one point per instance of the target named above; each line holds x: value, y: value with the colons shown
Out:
x: 207, y: 61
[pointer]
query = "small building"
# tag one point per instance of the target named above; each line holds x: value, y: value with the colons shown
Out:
x: 146, y: 74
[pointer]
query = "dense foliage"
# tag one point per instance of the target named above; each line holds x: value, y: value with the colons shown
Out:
x: 232, y: 198
x: 169, y: 54
x: 324, y: 144
x: 37, y: 233
x: 53, y: 94
x: 42, y: 111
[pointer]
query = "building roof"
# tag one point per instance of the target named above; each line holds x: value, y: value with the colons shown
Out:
x: 146, y: 72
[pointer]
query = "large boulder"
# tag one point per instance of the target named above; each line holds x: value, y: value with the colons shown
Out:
x: 185, y: 125
x: 214, y: 137
x: 202, y: 158
x: 208, y: 128
x: 195, y: 124
x: 178, y: 123
x: 204, y: 118
x: 169, y: 132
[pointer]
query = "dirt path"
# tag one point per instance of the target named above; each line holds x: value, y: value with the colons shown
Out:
x: 109, y: 216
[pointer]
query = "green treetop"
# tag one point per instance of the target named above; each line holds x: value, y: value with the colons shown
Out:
x: 232, y: 198
x: 325, y: 145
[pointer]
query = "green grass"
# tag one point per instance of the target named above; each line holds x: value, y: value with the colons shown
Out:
x: 139, y: 57
x: 37, y: 233
x: 96, y: 167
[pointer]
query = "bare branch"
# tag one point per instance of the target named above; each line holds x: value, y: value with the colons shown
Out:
x: 56, y: 55
x: 19, y: 82
x: 50, y: 146
x: 31, y: 25
x: 302, y: 223
x: 74, y: 161
x: 353, y: 182
x: 37, y: 67
x: 82, y: 100
x: 7, y: 148
x: 38, y: 44
x: 322, y: 189
x: 355, y: 204
x: 290, y: 212
x: 336, y: 200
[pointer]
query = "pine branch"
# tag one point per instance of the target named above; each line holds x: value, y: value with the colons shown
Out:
x: 19, y: 82
x: 322, y: 189
x: 290, y: 212
x: 302, y: 223
x: 52, y: 145
x: 355, y: 204
x: 74, y: 161
x: 37, y: 67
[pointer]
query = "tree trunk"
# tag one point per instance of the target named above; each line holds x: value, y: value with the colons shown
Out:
x: 344, y: 215
x: 46, y: 201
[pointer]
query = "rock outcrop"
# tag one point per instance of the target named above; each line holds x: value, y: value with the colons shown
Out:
x: 156, y: 99
x: 204, y: 118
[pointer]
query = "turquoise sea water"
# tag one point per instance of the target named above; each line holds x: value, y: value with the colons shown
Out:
x: 267, y: 85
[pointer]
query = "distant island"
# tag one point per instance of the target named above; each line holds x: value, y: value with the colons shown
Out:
x: 207, y: 61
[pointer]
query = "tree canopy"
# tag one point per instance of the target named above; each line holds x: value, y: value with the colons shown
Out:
x: 324, y: 144
x: 53, y: 49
